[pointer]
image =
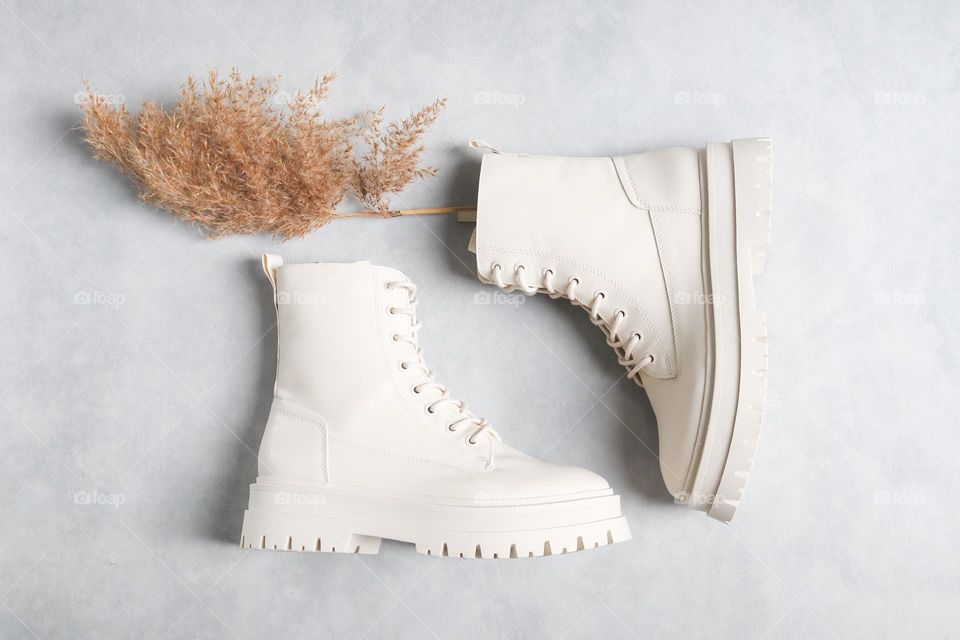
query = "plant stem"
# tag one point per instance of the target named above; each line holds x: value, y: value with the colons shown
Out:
x: 406, y: 212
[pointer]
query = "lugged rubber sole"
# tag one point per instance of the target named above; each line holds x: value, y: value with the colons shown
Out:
x: 294, y: 517
x: 737, y: 228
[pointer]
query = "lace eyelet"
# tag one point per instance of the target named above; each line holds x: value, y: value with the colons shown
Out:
x: 403, y: 365
x: 451, y: 428
x: 622, y: 313
x: 638, y: 336
x: 600, y: 294
x: 391, y: 310
x: 388, y: 286
x: 428, y: 410
x: 519, y: 267
x: 573, y: 279
x: 415, y: 390
x: 396, y: 337
x: 548, y: 270
x: 471, y: 442
x: 495, y: 267
x: 653, y: 358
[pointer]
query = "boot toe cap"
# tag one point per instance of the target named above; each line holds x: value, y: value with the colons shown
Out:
x: 524, y: 477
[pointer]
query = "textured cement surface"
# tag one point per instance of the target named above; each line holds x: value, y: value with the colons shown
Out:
x: 137, y: 358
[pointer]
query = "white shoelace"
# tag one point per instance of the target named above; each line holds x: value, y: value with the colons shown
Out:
x: 624, y: 347
x: 429, y: 384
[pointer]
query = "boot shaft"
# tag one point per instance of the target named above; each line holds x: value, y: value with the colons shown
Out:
x: 348, y: 364
x: 621, y: 230
x: 331, y: 331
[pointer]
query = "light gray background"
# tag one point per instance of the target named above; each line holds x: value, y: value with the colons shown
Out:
x: 152, y: 397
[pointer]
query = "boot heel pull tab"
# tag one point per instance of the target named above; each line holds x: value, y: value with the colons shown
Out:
x: 270, y: 265
x: 483, y: 146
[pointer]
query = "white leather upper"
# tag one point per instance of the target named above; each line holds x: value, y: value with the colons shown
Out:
x: 340, y: 388
x: 661, y: 180
x: 582, y: 218
x: 679, y: 402
x: 628, y: 227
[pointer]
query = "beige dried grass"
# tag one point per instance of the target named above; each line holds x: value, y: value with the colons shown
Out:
x: 232, y: 158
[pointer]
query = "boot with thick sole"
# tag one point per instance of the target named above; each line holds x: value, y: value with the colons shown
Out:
x: 660, y: 248
x: 362, y: 443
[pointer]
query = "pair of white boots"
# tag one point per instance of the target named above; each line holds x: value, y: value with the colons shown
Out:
x: 659, y: 248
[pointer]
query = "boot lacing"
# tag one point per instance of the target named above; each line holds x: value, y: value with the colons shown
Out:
x: 429, y: 384
x: 624, y: 347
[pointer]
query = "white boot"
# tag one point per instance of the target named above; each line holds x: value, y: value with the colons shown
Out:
x: 660, y: 248
x: 363, y: 444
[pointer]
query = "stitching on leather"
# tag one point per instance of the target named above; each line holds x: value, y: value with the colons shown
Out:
x: 603, y: 276
x: 398, y: 456
x: 675, y: 209
x: 319, y: 423
x: 325, y: 432
x: 643, y: 204
x: 668, y: 280
x: 633, y: 184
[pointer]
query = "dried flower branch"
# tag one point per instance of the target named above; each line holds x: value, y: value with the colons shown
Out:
x: 230, y: 157
x: 392, y: 157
